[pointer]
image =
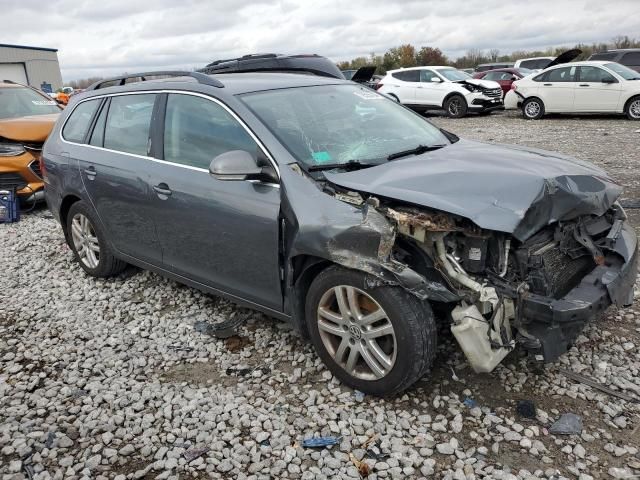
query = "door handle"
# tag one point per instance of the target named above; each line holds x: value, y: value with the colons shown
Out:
x: 90, y: 172
x: 584, y: 85
x: 162, y: 189
x: 548, y: 84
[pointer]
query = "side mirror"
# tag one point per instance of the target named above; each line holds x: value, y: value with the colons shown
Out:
x: 514, y: 78
x: 436, y: 79
x: 239, y: 165
x: 608, y: 80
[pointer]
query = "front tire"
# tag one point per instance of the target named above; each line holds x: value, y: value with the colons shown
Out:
x: 633, y: 108
x: 533, y: 109
x: 379, y: 340
x: 455, y: 106
x: 89, y: 243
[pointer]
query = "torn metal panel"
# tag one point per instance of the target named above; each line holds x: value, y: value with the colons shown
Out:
x: 358, y: 237
x: 508, y: 189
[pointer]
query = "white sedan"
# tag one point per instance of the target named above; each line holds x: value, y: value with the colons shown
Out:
x: 579, y: 87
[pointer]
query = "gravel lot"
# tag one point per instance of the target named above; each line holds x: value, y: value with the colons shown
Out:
x: 109, y: 379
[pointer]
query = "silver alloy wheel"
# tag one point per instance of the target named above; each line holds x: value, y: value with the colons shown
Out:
x: 85, y: 240
x: 357, y: 332
x: 454, y: 107
x: 532, y: 109
x: 634, y: 109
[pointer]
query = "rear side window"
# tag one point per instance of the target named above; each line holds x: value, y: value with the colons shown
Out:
x: 128, y: 122
x: 565, y: 74
x: 407, y: 75
x: 78, y: 123
x: 631, y: 59
x: 196, y: 130
x: 603, y: 56
x: 535, y: 64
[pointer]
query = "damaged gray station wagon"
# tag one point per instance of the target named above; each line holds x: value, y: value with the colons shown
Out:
x: 322, y: 202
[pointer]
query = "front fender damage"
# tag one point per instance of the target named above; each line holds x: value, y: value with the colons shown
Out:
x: 350, y: 232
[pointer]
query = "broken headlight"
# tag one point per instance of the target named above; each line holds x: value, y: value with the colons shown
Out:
x: 11, y: 149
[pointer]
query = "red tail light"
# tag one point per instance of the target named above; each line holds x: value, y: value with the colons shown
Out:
x: 377, y: 86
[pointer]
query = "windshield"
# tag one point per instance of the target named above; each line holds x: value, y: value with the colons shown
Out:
x: 453, y: 75
x: 18, y: 102
x: 525, y: 71
x: 623, y: 71
x: 336, y: 124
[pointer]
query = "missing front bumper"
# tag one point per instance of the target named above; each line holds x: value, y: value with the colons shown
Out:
x: 555, y: 323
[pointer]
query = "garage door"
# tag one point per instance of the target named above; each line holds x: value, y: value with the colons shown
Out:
x: 14, y: 72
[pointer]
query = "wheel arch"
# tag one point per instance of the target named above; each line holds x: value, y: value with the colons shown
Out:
x: 633, y: 97
x: 65, y: 206
x: 453, y: 94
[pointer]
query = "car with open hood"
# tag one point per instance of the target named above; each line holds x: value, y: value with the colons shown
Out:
x: 26, y: 119
x: 434, y: 88
x: 321, y: 202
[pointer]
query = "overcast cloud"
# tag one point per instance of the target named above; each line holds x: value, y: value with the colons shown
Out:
x: 115, y: 36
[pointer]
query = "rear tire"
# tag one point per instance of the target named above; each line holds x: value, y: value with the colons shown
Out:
x: 455, y: 106
x: 89, y: 243
x: 533, y: 109
x: 379, y: 340
x: 632, y: 109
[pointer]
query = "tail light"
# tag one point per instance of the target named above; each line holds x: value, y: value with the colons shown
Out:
x: 377, y: 86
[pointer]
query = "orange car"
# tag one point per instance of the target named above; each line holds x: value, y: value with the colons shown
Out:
x: 26, y: 119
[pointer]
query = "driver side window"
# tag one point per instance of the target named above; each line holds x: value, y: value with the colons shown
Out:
x: 197, y: 130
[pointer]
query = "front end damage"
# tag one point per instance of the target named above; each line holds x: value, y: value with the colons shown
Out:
x: 538, y: 293
x: 498, y: 290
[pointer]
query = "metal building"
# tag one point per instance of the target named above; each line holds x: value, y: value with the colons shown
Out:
x: 34, y: 66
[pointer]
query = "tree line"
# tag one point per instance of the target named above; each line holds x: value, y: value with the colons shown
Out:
x: 409, y: 56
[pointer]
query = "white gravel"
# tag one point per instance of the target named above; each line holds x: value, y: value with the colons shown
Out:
x: 109, y: 379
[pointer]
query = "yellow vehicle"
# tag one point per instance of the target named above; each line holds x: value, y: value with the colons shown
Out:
x: 26, y: 119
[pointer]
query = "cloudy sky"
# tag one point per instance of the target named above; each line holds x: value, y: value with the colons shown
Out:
x: 114, y: 36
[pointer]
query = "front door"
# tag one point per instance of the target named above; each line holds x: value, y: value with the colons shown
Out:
x: 557, y: 90
x: 113, y: 167
x: 223, y: 234
x: 430, y: 92
x: 598, y: 90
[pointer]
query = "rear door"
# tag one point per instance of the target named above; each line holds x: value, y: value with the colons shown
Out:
x: 114, y: 171
x: 557, y: 89
x: 223, y: 234
x: 598, y: 90
x: 405, y: 85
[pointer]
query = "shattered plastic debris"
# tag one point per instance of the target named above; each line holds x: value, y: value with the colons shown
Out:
x: 359, y: 396
x: 224, y: 329
x: 567, y: 424
x: 243, y: 372
x: 526, y: 409
x: 470, y: 402
x: 191, y: 455
x: 320, y: 442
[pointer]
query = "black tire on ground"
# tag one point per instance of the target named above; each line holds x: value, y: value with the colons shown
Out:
x: 413, y: 325
x: 533, y: 108
x: 632, y: 108
x: 108, y: 265
x: 455, y: 106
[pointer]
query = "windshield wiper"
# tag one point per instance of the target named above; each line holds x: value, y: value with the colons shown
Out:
x: 414, y: 151
x: 350, y: 165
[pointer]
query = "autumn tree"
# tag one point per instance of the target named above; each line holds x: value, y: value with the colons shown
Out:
x: 431, y: 56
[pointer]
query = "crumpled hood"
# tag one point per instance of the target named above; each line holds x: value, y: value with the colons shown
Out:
x: 504, y: 188
x: 34, y: 128
x: 481, y: 83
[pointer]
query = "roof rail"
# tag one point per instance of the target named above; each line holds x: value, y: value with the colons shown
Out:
x: 121, y: 80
